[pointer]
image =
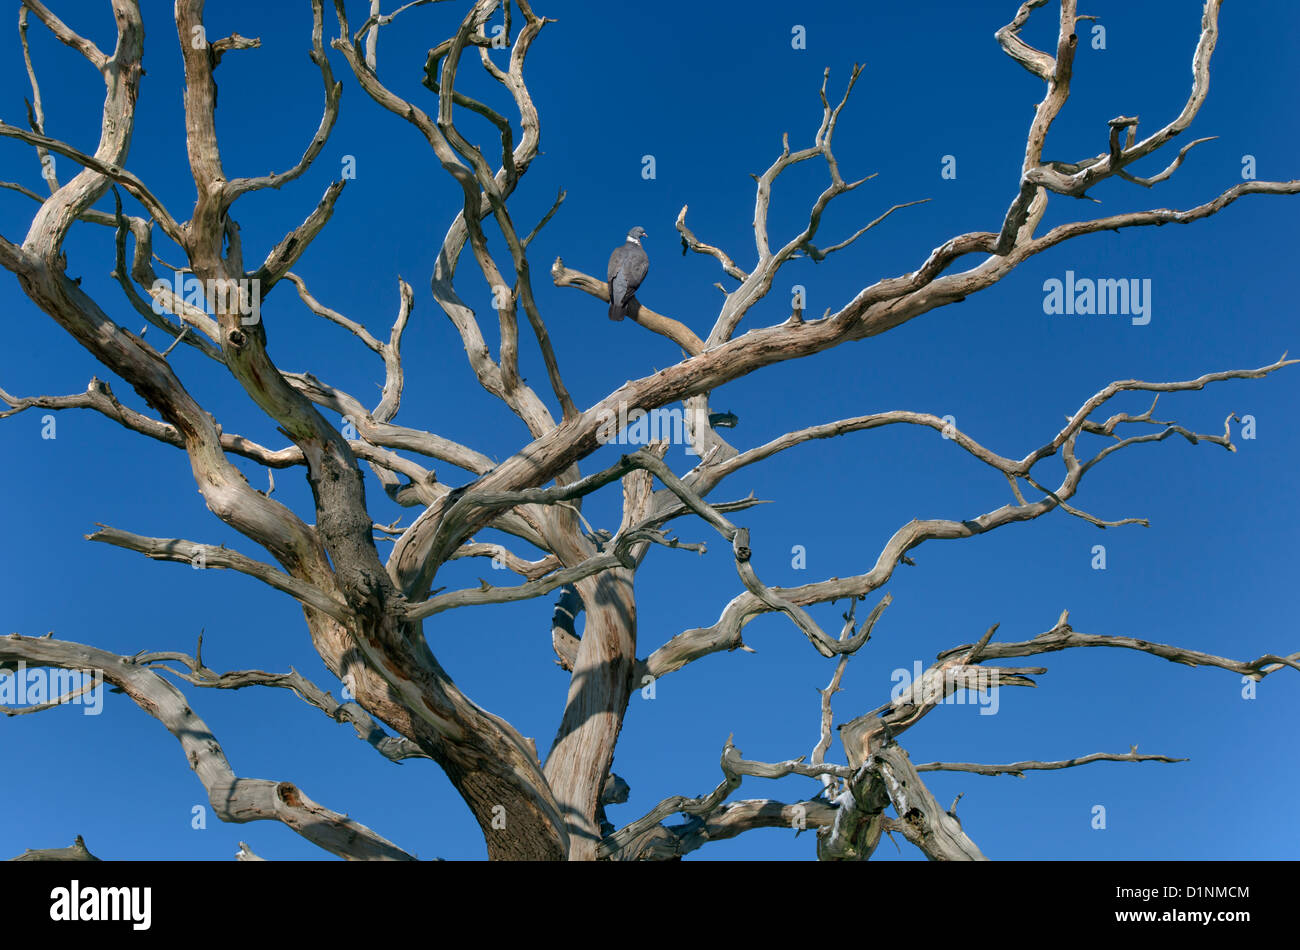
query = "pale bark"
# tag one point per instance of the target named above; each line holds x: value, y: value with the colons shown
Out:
x: 364, y: 613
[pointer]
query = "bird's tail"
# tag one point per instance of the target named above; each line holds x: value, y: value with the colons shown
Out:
x: 615, y: 310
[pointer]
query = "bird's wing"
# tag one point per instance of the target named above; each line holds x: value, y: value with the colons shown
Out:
x: 636, y: 267
x: 619, y: 290
x: 615, y: 262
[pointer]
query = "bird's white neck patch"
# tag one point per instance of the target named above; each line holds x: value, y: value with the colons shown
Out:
x: 632, y: 240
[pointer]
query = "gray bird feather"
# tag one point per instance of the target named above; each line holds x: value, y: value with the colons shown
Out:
x: 628, y: 266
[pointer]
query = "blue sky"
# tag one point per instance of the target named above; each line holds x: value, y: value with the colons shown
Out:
x: 708, y: 89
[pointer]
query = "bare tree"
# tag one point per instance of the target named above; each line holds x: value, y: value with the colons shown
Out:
x: 366, y: 614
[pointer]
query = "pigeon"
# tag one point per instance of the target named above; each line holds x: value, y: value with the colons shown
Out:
x: 627, y: 268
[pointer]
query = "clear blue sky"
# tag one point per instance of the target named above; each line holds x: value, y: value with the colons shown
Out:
x: 708, y: 89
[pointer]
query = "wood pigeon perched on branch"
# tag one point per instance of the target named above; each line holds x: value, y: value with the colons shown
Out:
x: 627, y: 268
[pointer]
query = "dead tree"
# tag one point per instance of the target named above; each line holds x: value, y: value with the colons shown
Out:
x: 366, y: 615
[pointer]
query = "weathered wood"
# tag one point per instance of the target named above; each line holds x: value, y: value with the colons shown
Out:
x: 364, y: 613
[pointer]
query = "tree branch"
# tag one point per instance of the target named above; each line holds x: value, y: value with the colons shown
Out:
x: 1019, y: 769
x: 188, y: 552
x: 232, y: 799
